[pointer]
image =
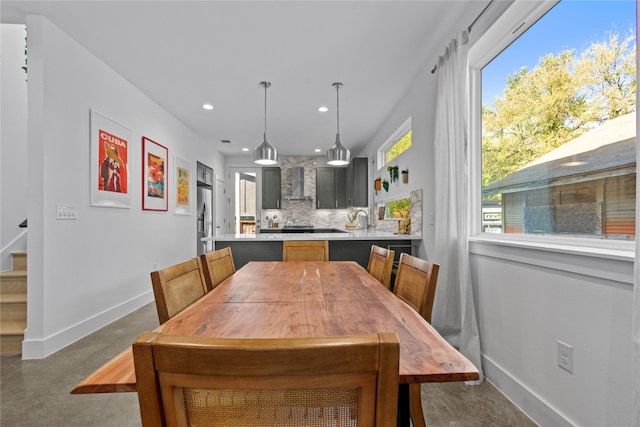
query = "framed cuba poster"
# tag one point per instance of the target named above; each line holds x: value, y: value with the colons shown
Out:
x: 155, y: 166
x: 182, y: 186
x: 110, y: 163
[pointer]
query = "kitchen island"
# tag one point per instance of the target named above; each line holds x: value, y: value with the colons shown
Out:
x: 344, y: 245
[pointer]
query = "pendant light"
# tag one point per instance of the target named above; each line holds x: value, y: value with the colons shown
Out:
x: 265, y: 153
x: 338, y: 155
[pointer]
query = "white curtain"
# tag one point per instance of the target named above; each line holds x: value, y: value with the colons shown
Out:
x: 635, y: 326
x: 454, y: 314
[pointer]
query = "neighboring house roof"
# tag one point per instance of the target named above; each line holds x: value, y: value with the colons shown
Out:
x: 608, y: 150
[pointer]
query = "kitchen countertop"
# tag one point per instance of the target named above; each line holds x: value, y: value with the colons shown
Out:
x: 357, y: 234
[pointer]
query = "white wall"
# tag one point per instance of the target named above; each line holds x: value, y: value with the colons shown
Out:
x: 13, y: 142
x: 527, y: 300
x: 86, y: 273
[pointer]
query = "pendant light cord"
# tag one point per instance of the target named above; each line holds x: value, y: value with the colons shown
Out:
x: 266, y: 85
x: 337, y: 85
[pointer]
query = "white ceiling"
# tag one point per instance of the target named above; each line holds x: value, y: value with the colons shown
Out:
x: 185, y: 53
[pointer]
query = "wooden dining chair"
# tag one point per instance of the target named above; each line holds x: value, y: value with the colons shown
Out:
x: 381, y: 264
x: 217, y: 266
x: 176, y: 287
x: 415, y: 284
x: 184, y: 381
x: 298, y: 250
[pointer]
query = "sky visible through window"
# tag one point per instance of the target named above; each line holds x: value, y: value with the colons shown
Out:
x: 571, y: 24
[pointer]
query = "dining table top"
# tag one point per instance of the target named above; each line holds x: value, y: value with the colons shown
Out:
x: 302, y: 299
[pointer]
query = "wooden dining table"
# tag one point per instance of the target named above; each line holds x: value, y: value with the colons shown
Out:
x: 303, y: 299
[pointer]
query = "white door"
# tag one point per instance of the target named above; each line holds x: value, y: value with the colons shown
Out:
x: 221, y: 207
x: 245, y: 205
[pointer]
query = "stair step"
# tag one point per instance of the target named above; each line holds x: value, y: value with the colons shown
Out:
x: 11, y: 337
x: 13, y: 308
x: 13, y: 282
x: 19, y: 260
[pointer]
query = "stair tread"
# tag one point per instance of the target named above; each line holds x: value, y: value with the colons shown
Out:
x: 13, y: 298
x: 13, y: 327
x: 13, y: 273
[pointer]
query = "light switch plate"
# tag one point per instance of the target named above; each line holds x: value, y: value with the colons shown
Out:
x: 66, y: 212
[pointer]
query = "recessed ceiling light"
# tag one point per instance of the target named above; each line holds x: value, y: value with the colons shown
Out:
x: 207, y: 106
x: 317, y: 150
x: 323, y: 109
x: 245, y: 149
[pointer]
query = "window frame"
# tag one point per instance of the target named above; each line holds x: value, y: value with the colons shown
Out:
x: 396, y: 136
x: 516, y: 20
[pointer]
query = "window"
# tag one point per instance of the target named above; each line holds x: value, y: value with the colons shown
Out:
x: 558, y: 125
x: 397, y: 144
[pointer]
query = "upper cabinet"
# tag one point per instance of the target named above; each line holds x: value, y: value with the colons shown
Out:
x: 331, y: 188
x: 271, y: 182
x: 357, y: 177
x: 204, y: 174
x: 340, y: 188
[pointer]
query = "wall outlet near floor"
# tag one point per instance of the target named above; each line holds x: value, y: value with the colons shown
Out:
x: 565, y: 356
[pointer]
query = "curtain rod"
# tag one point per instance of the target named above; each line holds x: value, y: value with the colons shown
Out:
x: 435, y: 67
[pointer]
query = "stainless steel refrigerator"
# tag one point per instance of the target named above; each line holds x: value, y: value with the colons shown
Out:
x: 205, y: 219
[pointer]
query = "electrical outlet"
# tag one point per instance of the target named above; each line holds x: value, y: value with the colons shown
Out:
x: 565, y: 356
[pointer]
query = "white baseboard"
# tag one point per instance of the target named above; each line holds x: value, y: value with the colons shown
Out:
x: 536, y: 408
x: 41, y: 348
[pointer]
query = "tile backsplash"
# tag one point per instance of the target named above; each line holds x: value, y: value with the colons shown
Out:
x: 304, y: 212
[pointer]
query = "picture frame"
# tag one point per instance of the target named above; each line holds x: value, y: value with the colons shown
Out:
x: 155, y: 168
x: 182, y: 187
x: 110, y: 174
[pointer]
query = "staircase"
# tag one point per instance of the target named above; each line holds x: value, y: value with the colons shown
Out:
x: 13, y: 305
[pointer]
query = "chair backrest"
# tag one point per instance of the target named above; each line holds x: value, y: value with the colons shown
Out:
x: 176, y: 287
x: 415, y: 283
x: 184, y: 381
x: 381, y: 264
x: 298, y: 250
x: 217, y: 266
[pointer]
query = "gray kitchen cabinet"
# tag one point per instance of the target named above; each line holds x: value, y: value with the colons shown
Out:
x: 271, y: 188
x: 331, y: 188
x: 357, y: 177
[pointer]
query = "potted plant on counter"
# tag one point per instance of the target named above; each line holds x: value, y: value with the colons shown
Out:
x: 352, y: 220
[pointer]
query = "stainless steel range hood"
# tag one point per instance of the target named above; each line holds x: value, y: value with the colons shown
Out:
x: 297, y: 185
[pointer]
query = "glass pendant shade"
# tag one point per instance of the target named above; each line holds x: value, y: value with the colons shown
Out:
x: 338, y: 155
x: 265, y: 153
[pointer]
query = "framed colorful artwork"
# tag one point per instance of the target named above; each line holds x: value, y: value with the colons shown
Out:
x: 155, y: 166
x: 110, y: 175
x: 182, y: 186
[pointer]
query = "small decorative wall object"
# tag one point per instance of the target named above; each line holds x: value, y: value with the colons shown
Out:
x: 109, y: 168
x: 182, y: 187
x: 405, y: 176
x: 377, y: 184
x: 393, y: 173
x: 385, y: 185
x: 404, y: 225
x: 155, y: 164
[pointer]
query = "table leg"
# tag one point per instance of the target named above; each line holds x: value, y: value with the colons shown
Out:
x: 404, y: 413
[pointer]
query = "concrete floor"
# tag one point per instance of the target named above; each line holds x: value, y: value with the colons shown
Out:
x: 36, y: 392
